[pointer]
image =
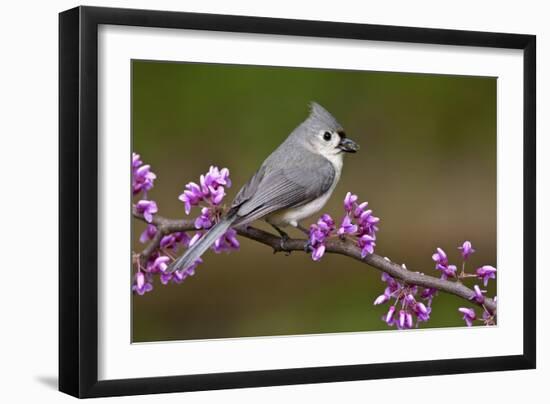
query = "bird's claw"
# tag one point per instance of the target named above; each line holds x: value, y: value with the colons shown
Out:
x: 308, y: 246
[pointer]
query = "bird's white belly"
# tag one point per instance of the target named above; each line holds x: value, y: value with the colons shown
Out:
x: 292, y: 216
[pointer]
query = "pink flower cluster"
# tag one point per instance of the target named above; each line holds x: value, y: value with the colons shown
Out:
x: 358, y: 223
x: 411, y: 304
x: 208, y: 195
x: 210, y: 189
x: 407, y: 309
x: 142, y: 181
x: 318, y: 234
x: 142, y: 176
x: 484, y: 273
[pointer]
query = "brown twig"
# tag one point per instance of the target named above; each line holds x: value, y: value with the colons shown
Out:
x: 343, y: 247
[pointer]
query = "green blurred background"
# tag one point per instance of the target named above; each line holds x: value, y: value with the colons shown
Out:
x: 427, y: 166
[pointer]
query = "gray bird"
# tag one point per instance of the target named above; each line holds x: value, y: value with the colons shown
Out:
x: 293, y: 183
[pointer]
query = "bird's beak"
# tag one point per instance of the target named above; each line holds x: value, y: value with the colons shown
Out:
x: 348, y: 145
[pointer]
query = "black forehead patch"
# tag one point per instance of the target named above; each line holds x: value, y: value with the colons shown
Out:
x: 342, y: 134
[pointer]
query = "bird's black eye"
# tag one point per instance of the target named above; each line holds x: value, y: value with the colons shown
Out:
x: 327, y: 136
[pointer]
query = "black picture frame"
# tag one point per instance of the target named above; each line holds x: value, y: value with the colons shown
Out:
x: 78, y: 195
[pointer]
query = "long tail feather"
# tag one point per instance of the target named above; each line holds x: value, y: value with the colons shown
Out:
x: 200, y: 247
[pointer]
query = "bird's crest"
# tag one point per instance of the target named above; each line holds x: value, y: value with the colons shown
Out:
x: 321, y: 118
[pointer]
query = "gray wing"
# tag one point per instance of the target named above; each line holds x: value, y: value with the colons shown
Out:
x: 272, y: 189
x: 248, y: 190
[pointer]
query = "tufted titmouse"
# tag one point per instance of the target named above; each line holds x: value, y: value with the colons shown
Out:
x: 293, y: 183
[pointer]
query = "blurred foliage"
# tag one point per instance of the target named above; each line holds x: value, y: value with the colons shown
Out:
x: 427, y: 166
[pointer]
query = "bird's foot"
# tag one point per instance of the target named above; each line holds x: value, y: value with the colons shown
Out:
x: 282, y: 243
x: 308, y: 247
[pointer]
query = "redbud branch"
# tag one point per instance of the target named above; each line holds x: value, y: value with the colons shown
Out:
x: 337, y: 246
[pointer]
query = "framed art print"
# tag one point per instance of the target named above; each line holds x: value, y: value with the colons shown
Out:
x: 252, y: 201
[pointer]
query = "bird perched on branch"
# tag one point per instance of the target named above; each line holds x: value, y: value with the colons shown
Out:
x: 293, y: 183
